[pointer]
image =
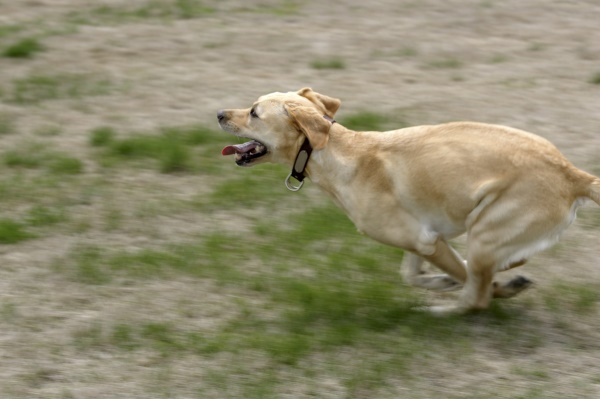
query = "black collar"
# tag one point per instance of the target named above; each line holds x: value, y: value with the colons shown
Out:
x: 301, y: 161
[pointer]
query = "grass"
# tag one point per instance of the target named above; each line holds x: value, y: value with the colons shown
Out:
x: 329, y: 63
x: 65, y: 165
x: 48, y: 131
x: 148, y: 10
x: 407, y: 51
x: 536, y: 47
x: 365, y: 121
x: 40, y: 215
x: 499, y: 59
x: 142, y: 263
x: 162, y: 337
x: 172, y: 155
x: 595, y: 79
x: 299, y: 291
x: 7, y: 124
x: 577, y: 298
x: 373, y: 121
x: 37, y: 156
x: 250, y: 189
x: 24, y: 48
x: 86, y: 268
x: 445, y: 63
x: 280, y: 8
x: 102, y: 136
x: 173, y: 148
x: 12, y: 231
x: 351, y: 296
x: 37, y: 88
x: 187, y: 9
x: 8, y: 30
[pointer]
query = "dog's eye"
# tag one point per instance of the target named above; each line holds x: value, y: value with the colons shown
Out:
x: 253, y: 113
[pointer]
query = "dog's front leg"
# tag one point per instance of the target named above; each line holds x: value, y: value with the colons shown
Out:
x: 413, y: 274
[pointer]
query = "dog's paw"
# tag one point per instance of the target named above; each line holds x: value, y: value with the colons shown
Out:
x: 436, y: 282
x: 512, y: 287
x: 443, y: 310
x: 449, y: 284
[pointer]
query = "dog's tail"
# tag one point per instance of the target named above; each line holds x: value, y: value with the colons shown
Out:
x: 594, y: 191
x: 587, y: 185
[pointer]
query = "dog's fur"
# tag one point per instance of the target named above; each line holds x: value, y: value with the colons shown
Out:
x: 512, y: 192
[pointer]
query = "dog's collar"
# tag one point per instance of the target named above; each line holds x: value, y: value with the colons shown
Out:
x: 301, y: 161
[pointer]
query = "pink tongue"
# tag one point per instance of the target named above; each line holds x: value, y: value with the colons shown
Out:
x: 239, y: 148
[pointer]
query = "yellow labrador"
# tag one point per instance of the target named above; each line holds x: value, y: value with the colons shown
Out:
x: 512, y: 192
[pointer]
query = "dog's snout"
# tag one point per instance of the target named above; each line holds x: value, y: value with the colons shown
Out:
x: 220, y: 115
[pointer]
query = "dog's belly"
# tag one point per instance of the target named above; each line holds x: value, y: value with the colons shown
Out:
x: 446, y: 229
x: 397, y: 228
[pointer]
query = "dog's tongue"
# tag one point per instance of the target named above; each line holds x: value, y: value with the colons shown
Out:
x: 239, y: 148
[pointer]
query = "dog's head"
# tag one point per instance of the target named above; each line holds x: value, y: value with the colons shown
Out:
x: 277, y: 124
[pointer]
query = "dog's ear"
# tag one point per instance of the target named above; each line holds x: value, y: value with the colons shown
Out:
x: 310, y: 122
x: 328, y: 105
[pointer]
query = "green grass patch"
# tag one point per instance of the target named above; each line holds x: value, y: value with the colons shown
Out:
x: 175, y: 158
x: 7, y: 124
x: 365, y: 121
x: 148, y: 10
x: 172, y: 150
x: 27, y: 155
x: 38, y: 156
x: 24, y: 48
x: 95, y: 266
x: 40, y: 216
x: 89, y: 337
x: 499, y: 59
x: 48, y: 131
x: 123, y: 337
x: 407, y: 51
x: 322, y: 287
x: 8, y: 311
x: 445, y: 63
x: 102, y: 136
x: 8, y: 30
x: 536, y: 47
x: 12, y: 231
x: 595, y: 79
x: 65, y: 165
x: 87, y: 268
x: 329, y: 63
x: 277, y: 8
x: 37, y: 88
x: 568, y: 297
x: 161, y: 337
x: 259, y: 186
x: 188, y: 9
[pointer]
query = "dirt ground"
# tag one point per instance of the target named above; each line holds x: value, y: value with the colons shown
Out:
x: 526, y: 64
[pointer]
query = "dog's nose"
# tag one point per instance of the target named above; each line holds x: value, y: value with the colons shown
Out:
x: 221, y: 115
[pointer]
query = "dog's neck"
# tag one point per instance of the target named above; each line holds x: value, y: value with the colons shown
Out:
x: 300, y: 164
x: 328, y: 168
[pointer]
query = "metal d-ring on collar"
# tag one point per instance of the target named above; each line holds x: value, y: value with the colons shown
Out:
x: 301, y: 162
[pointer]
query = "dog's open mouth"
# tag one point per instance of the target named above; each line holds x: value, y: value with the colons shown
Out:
x: 247, y: 152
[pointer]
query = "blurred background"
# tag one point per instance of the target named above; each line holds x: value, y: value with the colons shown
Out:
x: 137, y: 262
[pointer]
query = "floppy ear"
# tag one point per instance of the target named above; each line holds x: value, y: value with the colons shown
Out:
x: 328, y: 105
x: 312, y: 124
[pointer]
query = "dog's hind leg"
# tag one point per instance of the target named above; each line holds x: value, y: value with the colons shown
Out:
x: 413, y: 274
x: 499, y: 241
